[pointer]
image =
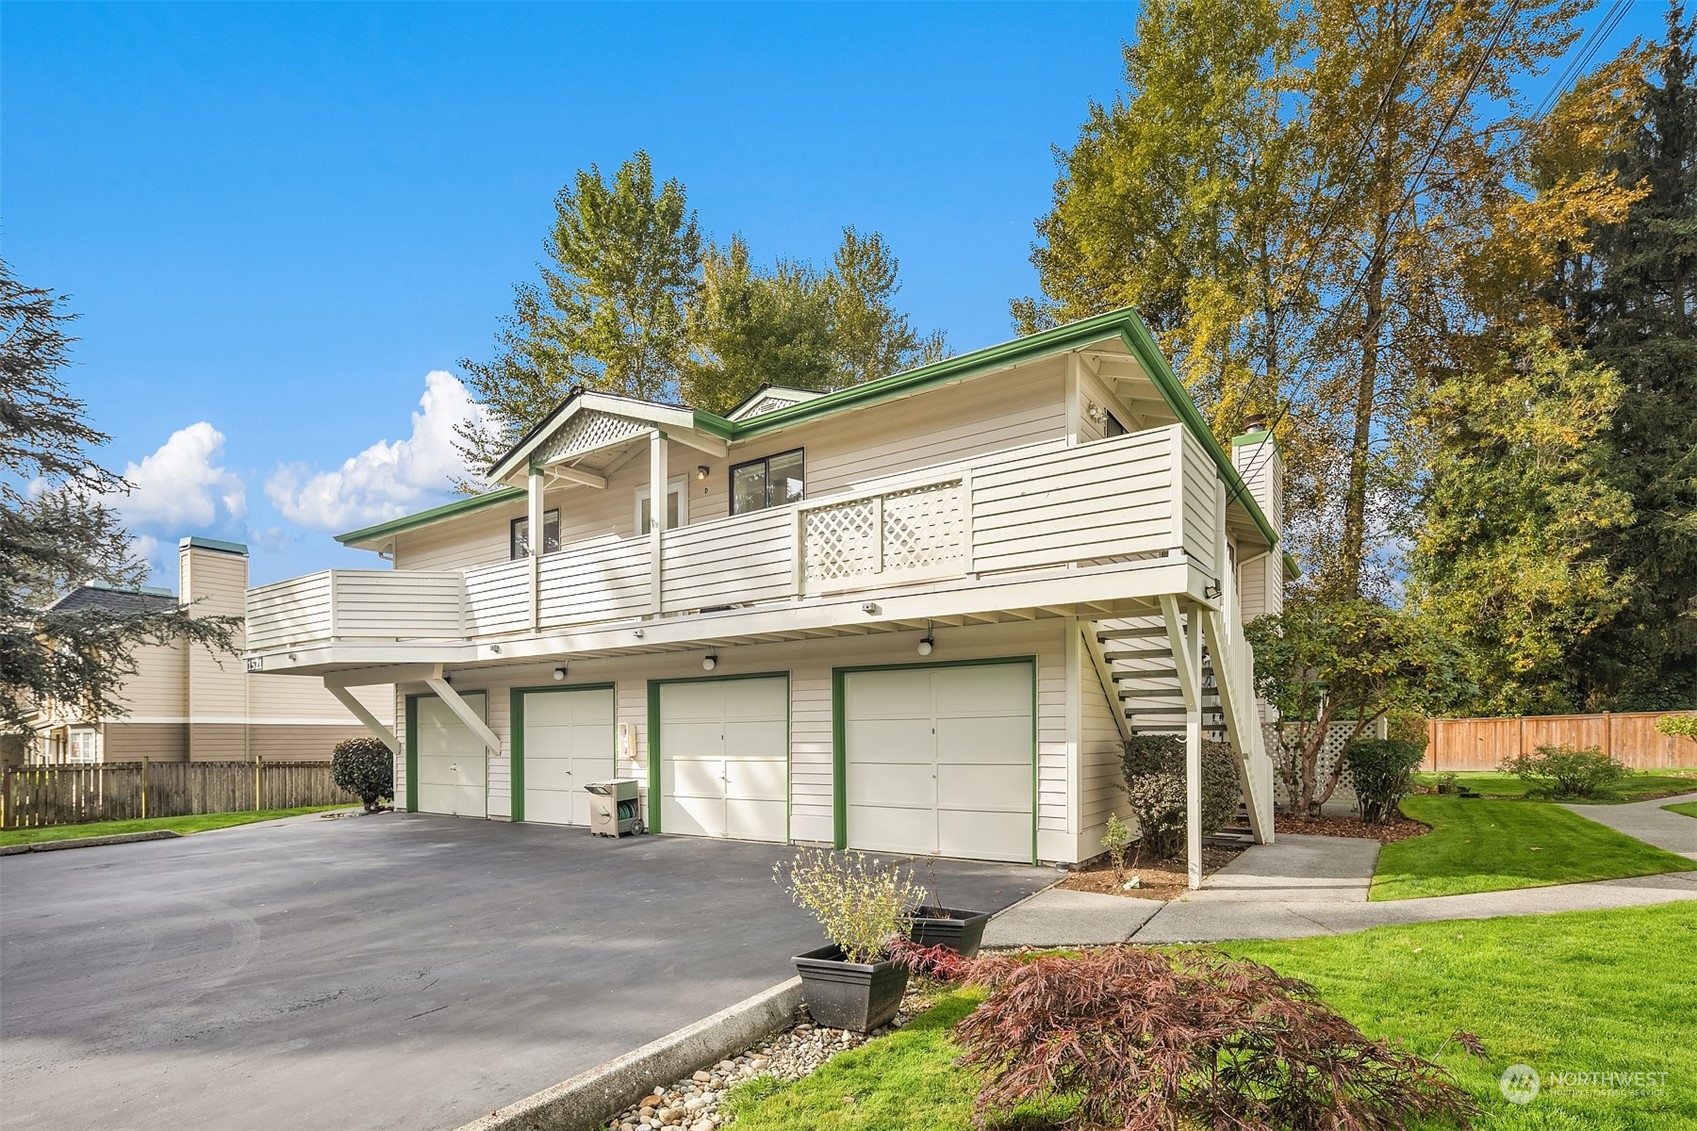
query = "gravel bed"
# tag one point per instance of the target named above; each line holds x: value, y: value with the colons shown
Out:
x: 696, y: 1103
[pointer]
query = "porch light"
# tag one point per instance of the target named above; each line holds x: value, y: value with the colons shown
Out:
x: 1212, y: 592
x: 701, y: 471
x: 926, y: 644
x: 560, y: 673
x: 710, y: 661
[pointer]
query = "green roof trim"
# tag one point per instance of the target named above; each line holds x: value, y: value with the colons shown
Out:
x: 1251, y: 438
x: 212, y: 544
x: 1124, y: 324
x: 1292, y: 570
x: 434, y: 514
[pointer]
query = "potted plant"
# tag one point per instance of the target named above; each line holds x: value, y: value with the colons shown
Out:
x: 861, y: 903
x: 934, y: 924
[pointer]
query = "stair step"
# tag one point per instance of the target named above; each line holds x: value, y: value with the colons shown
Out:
x: 1145, y: 673
x: 1145, y: 654
x: 1128, y: 633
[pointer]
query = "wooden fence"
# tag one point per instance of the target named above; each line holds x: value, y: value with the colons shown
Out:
x: 1483, y: 744
x: 36, y: 796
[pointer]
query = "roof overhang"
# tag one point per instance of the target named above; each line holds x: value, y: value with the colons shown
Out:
x: 587, y: 422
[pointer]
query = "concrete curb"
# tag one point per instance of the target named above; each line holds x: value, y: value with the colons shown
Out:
x: 85, y: 842
x: 589, y: 1099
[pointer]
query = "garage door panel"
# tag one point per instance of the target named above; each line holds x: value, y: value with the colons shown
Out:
x: 985, y: 836
x: 979, y: 741
x: 884, y: 829
x: 546, y: 773
x: 764, y: 739
x: 891, y: 695
x: 994, y: 689
x: 694, y: 777
x: 883, y: 783
x: 889, y: 740
x: 1005, y: 788
x: 747, y: 819
x: 757, y: 699
x: 568, y: 743
x: 552, y: 807
x: 693, y: 816
x: 763, y: 779
x: 693, y: 701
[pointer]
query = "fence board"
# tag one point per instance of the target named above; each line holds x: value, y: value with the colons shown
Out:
x: 1483, y: 744
x: 40, y: 796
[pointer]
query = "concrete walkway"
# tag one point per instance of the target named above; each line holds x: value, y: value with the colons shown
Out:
x: 1649, y: 822
x: 1303, y: 886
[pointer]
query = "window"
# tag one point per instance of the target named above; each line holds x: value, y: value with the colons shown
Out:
x: 84, y: 747
x: 518, y: 538
x: 770, y: 482
x: 1112, y: 426
x: 677, y: 511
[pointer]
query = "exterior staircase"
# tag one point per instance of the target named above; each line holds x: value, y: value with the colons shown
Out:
x: 1140, y: 661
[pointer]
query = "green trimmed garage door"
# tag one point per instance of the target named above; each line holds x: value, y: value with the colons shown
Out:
x: 724, y: 758
x: 452, y: 762
x: 568, y: 743
x: 938, y: 761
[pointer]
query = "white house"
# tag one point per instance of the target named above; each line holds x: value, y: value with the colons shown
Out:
x: 916, y: 615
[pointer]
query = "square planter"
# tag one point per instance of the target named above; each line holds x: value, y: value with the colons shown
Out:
x: 850, y: 995
x: 960, y: 931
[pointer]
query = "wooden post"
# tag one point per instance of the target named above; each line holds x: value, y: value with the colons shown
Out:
x: 1521, y: 744
x: 144, y: 789
x: 1608, y: 744
x: 6, y: 821
x: 258, y: 772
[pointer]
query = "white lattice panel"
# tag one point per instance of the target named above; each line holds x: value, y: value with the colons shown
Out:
x: 923, y: 527
x: 587, y: 431
x: 841, y: 541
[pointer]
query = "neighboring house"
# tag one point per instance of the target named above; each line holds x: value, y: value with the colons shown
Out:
x: 917, y: 615
x: 187, y: 703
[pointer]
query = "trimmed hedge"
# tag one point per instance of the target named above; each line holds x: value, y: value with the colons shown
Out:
x: 365, y: 768
x: 1382, y: 772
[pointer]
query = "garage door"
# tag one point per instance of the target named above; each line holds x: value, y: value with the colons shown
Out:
x: 452, y: 761
x: 724, y: 758
x: 568, y: 743
x: 938, y: 760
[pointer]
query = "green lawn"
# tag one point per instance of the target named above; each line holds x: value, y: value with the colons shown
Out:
x: 1689, y: 808
x: 1641, y: 785
x: 1594, y: 991
x: 199, y: 823
x: 1477, y: 844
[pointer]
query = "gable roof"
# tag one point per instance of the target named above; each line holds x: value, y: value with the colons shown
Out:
x: 1124, y: 326
x: 769, y: 398
x: 104, y: 598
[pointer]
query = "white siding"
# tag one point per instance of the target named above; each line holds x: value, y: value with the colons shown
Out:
x: 1101, y: 777
x: 810, y: 665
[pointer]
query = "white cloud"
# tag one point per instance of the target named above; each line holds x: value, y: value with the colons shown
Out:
x: 387, y: 479
x: 181, y: 485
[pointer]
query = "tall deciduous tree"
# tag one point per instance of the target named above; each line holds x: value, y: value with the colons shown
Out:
x: 870, y: 338
x: 1639, y: 311
x: 621, y: 266
x: 58, y: 531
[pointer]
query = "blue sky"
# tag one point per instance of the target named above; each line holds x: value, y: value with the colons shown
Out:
x: 278, y: 221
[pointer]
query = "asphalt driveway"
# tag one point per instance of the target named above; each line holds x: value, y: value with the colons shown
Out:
x: 388, y: 971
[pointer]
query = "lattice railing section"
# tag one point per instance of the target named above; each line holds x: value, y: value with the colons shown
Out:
x: 918, y: 531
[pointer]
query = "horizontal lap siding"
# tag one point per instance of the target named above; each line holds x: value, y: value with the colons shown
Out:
x: 497, y: 599
x: 392, y: 605
x: 1200, y: 503
x: 601, y: 582
x: 289, y: 611
x: 809, y: 664
x: 746, y: 558
x: 477, y: 539
x: 1104, y: 499
x: 1100, y: 750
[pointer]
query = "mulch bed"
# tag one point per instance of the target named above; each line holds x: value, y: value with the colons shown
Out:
x: 1164, y: 880
x: 1400, y: 828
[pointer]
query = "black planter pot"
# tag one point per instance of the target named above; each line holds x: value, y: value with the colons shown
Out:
x: 850, y: 995
x: 960, y: 931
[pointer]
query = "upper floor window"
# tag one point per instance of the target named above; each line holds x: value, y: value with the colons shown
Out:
x: 518, y: 537
x: 1112, y: 426
x: 677, y: 507
x: 769, y: 482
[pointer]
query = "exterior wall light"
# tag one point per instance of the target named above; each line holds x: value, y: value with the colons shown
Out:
x: 710, y: 661
x: 701, y: 471
x: 925, y: 645
x: 560, y: 673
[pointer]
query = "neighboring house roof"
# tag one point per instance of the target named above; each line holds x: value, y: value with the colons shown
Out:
x: 1122, y: 325
x: 146, y: 599
x: 770, y: 398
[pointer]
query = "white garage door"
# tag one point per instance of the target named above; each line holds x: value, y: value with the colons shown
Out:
x: 938, y: 761
x: 451, y: 759
x: 724, y: 758
x: 568, y: 743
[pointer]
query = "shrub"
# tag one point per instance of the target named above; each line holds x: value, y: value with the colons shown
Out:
x: 1154, y: 778
x: 1148, y: 1040
x: 1562, y: 771
x: 1449, y: 782
x: 860, y: 902
x: 1678, y: 726
x: 1115, y: 841
x: 365, y: 768
x: 1382, y: 772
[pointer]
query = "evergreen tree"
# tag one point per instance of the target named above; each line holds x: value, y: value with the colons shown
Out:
x: 870, y: 338
x: 1640, y: 318
x: 58, y: 531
